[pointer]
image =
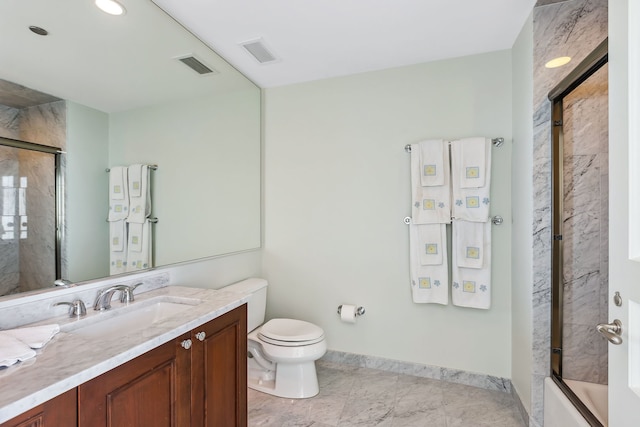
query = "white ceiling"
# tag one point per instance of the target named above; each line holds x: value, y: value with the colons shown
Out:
x: 118, y: 63
x: 320, y: 39
x: 101, y: 61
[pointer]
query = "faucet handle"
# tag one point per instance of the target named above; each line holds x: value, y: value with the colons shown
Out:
x: 76, y: 308
x: 126, y: 296
x: 64, y: 283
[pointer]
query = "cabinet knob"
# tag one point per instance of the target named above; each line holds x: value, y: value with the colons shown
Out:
x: 201, y: 336
x: 186, y: 344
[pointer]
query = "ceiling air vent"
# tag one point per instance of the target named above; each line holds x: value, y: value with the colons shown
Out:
x: 196, y: 65
x: 259, y: 51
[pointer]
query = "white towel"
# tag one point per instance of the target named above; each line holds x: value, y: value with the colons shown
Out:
x: 472, y: 162
x: 430, y: 205
x: 13, y: 350
x: 34, y: 336
x: 432, y: 161
x: 118, y: 193
x: 471, y: 287
x: 139, y: 194
x: 432, y: 239
x: 139, y: 256
x: 429, y: 283
x: 470, y: 204
x: 117, y: 235
x: 135, y: 237
x: 118, y: 258
x: 468, y: 242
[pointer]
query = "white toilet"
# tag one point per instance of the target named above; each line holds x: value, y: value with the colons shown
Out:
x: 281, y: 354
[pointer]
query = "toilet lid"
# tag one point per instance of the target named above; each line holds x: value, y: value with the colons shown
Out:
x: 290, y: 330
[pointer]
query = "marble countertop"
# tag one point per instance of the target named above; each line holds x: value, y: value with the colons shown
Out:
x: 69, y: 360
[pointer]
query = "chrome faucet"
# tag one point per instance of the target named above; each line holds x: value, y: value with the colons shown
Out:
x: 103, y: 300
x: 76, y: 308
x: 127, y: 295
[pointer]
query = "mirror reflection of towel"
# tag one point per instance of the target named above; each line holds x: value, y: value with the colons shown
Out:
x: 139, y: 251
x: 118, y: 248
x: 139, y: 194
x: 118, y: 193
x: 117, y: 235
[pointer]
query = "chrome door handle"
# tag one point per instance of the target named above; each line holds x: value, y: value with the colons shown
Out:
x: 611, y: 331
x: 186, y: 344
x: 201, y: 336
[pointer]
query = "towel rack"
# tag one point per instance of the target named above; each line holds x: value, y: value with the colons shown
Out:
x: 152, y: 167
x: 151, y: 220
x: 495, y: 220
x: 497, y: 142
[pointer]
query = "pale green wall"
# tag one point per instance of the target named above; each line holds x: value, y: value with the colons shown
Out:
x: 86, y: 189
x: 522, y: 208
x: 336, y: 185
x: 206, y: 191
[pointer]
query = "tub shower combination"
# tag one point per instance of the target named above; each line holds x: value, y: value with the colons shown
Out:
x: 576, y: 392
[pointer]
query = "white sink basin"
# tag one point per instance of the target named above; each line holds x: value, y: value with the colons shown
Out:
x: 133, y: 318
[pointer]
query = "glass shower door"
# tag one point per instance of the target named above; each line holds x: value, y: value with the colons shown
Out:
x: 28, y: 224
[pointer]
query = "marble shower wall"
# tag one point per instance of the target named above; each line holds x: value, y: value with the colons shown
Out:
x: 28, y: 255
x: 585, y: 230
x: 568, y: 28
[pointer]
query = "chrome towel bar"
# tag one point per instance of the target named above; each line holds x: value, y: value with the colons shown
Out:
x: 497, y: 142
x: 495, y: 220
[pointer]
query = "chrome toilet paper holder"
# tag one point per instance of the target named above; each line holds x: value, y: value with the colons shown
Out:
x: 359, y: 311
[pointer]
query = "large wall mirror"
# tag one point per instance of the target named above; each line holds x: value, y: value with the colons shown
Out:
x: 115, y: 91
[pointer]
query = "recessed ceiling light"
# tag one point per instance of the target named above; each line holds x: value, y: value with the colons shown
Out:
x: 111, y: 7
x: 558, y: 62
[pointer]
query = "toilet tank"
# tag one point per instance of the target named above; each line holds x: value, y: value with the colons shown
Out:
x: 257, y: 304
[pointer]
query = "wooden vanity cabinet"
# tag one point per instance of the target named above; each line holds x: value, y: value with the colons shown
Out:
x: 219, y: 371
x: 150, y: 390
x: 59, y: 411
x: 198, y: 379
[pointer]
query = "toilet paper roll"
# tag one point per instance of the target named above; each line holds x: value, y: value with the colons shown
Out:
x: 348, y: 313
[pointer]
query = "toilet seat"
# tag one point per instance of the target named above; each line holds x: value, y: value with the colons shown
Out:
x: 290, y: 333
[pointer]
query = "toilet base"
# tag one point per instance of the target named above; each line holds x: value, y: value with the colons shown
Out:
x: 292, y: 381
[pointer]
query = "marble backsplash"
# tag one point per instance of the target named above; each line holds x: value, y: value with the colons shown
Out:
x: 38, y: 306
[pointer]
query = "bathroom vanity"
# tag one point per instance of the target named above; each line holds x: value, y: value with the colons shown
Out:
x: 187, y: 368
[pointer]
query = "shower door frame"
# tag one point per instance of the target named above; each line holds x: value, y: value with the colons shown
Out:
x: 592, y: 63
x: 59, y: 191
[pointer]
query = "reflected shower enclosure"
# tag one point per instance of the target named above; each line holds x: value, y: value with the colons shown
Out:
x: 28, y: 229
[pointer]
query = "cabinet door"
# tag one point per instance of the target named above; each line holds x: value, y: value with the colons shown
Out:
x: 59, y: 411
x: 150, y: 390
x: 219, y: 371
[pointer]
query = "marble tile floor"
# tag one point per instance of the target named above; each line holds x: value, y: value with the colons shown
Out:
x: 354, y: 396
